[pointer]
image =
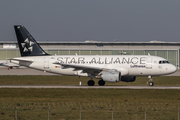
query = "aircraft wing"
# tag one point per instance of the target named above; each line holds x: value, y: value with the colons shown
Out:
x: 80, y: 67
x: 90, y: 69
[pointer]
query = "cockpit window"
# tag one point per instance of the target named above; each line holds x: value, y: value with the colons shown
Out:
x: 163, y: 62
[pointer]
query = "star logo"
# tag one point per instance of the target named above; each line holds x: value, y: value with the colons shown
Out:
x: 25, y: 50
x: 30, y: 49
x: 23, y: 45
x: 26, y: 40
x: 27, y: 45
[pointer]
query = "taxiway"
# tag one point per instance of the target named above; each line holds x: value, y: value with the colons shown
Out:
x: 88, y: 87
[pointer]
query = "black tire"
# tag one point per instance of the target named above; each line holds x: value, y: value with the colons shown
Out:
x: 151, y: 83
x: 91, y: 83
x: 101, y: 82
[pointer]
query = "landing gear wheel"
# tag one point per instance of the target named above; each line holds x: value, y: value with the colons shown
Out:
x: 90, y: 83
x: 151, y: 83
x: 101, y: 82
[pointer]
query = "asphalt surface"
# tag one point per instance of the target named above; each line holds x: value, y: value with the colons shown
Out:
x: 89, y: 87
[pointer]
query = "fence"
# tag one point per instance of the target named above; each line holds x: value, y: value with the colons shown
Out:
x: 88, y: 111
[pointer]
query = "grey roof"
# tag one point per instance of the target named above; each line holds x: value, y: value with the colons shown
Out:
x: 100, y: 43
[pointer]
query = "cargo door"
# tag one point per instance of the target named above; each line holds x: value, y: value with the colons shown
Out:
x: 46, y: 63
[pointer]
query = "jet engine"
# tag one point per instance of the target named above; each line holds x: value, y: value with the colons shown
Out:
x: 128, y: 78
x: 111, y: 76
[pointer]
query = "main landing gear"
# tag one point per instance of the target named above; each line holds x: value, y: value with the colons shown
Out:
x: 150, y: 81
x: 91, y: 82
x: 100, y: 82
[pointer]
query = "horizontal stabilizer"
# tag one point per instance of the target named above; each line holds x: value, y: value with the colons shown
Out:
x: 21, y: 59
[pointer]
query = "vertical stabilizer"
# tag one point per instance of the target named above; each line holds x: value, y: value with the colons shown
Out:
x: 27, y: 44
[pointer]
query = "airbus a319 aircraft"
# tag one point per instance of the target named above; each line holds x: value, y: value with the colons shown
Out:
x: 111, y: 68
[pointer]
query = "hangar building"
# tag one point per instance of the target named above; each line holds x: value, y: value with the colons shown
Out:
x: 167, y: 50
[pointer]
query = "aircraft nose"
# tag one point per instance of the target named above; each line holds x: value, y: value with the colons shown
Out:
x: 173, y: 69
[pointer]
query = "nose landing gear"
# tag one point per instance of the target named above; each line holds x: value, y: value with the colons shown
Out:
x: 151, y: 83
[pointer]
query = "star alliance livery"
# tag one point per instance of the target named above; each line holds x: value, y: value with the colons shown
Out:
x: 108, y: 68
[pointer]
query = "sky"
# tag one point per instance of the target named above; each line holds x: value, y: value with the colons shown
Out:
x: 98, y: 20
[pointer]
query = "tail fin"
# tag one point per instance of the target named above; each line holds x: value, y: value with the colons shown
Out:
x: 27, y: 44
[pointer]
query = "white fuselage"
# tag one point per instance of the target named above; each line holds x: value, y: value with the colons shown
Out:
x: 128, y: 65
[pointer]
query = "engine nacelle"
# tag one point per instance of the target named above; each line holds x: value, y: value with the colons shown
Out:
x: 111, y: 76
x: 128, y: 78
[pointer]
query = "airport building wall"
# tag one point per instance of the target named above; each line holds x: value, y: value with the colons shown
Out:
x: 169, y: 51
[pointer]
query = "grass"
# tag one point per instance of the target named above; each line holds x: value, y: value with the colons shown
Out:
x: 90, y: 95
x: 64, y: 103
x: 160, y: 104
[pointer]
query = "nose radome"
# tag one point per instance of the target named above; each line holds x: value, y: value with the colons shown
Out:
x: 173, y: 69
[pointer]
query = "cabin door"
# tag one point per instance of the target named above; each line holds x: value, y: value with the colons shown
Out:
x: 149, y: 63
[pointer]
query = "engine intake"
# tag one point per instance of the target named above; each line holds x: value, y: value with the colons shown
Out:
x: 111, y: 76
x: 128, y: 78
